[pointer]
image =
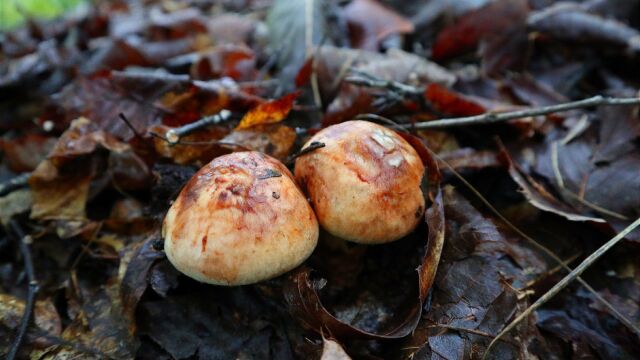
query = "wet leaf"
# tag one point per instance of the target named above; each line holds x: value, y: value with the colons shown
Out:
x: 540, y: 197
x: 568, y: 21
x: 14, y: 203
x: 136, y: 276
x: 99, y: 190
x: 233, y: 61
x: 268, y: 113
x: 397, y: 65
x: 60, y: 184
x: 465, y: 34
x: 25, y: 153
x: 499, y: 265
x: 214, y: 323
x: 276, y: 140
x: 46, y: 319
x: 103, y: 97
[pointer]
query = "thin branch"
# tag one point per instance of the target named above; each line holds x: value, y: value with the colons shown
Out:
x: 201, y: 143
x: 398, y: 88
x: 396, y: 91
x: 130, y: 125
x: 33, y: 289
x: 623, y: 319
x: 362, y: 78
x: 173, y: 136
x: 490, y: 118
x: 14, y: 183
x: 564, y: 282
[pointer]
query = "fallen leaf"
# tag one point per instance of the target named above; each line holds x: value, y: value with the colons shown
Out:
x: 233, y: 61
x: 539, y: 196
x: 46, y: 320
x: 489, y: 21
x: 25, y: 153
x: 498, y: 264
x: 276, y: 140
x: 567, y: 21
x: 302, y: 290
x: 269, y: 112
x: 215, y: 322
x: 14, y: 203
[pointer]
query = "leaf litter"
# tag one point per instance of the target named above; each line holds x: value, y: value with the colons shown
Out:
x: 87, y: 101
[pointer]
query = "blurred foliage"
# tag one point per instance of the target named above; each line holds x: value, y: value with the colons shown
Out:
x: 14, y: 12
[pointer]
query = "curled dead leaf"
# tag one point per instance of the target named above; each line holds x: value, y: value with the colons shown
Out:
x: 302, y: 289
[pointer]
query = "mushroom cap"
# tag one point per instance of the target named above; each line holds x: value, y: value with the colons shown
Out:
x: 364, y: 184
x: 239, y: 220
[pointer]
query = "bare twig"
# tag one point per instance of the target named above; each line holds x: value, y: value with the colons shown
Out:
x: 564, y: 282
x: 398, y: 88
x: 14, y: 183
x: 490, y: 118
x: 362, y: 78
x: 129, y: 125
x: 33, y: 289
x: 396, y: 91
x: 173, y: 136
x: 201, y: 143
x: 623, y: 319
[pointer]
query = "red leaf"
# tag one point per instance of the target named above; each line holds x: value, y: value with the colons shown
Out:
x: 467, y: 33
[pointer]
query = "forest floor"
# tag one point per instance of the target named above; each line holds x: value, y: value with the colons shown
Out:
x: 525, y: 114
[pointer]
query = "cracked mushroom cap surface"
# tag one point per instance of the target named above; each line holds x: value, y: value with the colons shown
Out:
x: 364, y: 184
x: 239, y: 220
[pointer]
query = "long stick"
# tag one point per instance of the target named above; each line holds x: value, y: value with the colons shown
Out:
x: 33, y: 290
x: 563, y: 283
x: 489, y: 118
x: 368, y: 80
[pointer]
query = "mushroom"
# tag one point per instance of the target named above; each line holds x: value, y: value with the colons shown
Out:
x: 364, y: 184
x: 239, y: 220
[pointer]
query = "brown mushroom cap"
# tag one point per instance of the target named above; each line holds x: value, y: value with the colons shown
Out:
x: 239, y: 220
x: 364, y: 184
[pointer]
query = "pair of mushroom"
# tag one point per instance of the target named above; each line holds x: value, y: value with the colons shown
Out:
x: 242, y: 218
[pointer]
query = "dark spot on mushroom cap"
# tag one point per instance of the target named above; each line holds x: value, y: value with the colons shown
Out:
x: 275, y: 195
x: 204, y: 243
